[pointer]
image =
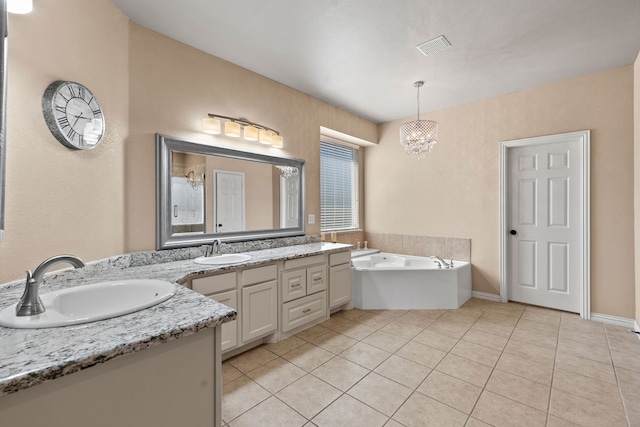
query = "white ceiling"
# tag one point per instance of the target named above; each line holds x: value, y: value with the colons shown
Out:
x: 361, y: 56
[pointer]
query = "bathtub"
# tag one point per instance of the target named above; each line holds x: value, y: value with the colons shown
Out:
x: 394, y: 281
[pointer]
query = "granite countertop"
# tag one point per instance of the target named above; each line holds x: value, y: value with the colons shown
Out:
x: 32, y: 356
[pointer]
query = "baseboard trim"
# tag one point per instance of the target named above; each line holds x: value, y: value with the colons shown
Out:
x: 614, y: 320
x: 484, y: 295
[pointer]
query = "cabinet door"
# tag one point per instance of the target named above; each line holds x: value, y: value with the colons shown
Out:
x: 339, y: 285
x: 294, y: 284
x: 229, y: 329
x: 316, y: 279
x: 259, y: 310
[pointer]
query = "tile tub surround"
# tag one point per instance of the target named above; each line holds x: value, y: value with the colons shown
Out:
x: 445, y: 247
x: 32, y: 356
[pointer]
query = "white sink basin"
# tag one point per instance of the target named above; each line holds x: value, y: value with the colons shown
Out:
x: 222, y: 259
x: 98, y: 301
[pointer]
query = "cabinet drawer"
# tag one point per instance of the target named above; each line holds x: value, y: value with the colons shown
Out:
x: 213, y: 284
x: 303, y: 310
x: 340, y: 258
x: 293, y: 284
x: 304, y: 262
x: 257, y: 275
x: 316, y: 279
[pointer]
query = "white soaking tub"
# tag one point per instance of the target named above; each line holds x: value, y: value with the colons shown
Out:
x: 394, y: 281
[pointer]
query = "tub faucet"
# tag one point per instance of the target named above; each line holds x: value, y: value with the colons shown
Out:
x: 215, y: 249
x: 30, y: 303
x: 441, y: 261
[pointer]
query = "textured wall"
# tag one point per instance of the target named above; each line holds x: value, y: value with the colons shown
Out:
x: 454, y: 192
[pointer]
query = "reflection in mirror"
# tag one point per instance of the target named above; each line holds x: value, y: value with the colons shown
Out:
x: 206, y: 192
x: 3, y: 108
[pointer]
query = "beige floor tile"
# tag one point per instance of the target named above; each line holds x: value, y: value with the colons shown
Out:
x: 553, y: 421
x: 588, y: 367
x: 393, y: 423
x: 626, y: 360
x: 519, y: 389
x: 629, y: 382
x: 380, y: 393
x: 499, y: 318
x: 229, y: 373
x: 285, y: 346
x: 496, y: 327
x: 573, y: 322
x: 312, y: 333
x: 309, y: 395
x: 583, y: 412
x: 598, y: 340
x: 334, y: 322
x: 540, y: 328
x: 334, y: 342
x: 589, y: 388
x: 365, y: 355
x: 276, y: 374
x: 435, y: 340
x: 350, y: 314
x: 239, y: 396
x: 466, y: 316
x: 349, y: 412
x: 355, y: 330
x: 422, y: 411
x: 474, y: 422
x: 451, y: 391
x: 308, y: 356
x: 499, y: 411
x: 416, y: 319
x: 625, y: 344
x: 541, y: 318
x: 431, y: 313
x: 539, y: 372
x: 508, y: 309
x: 385, y: 341
x: 273, y: 410
x: 401, y: 329
x: 532, y: 309
x: 478, y: 353
x: 421, y: 354
x: 550, y: 341
x: 252, y: 359
x: 493, y: 341
x: 340, y: 373
x: 465, y: 369
x: 530, y: 351
x: 372, y: 322
x: 451, y: 328
x: 587, y: 351
x: 403, y: 371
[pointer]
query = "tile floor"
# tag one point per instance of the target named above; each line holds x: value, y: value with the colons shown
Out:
x: 485, y: 364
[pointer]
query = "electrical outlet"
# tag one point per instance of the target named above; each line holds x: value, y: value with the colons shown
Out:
x: 312, y: 219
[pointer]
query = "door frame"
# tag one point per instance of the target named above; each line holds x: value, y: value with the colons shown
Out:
x: 584, y: 136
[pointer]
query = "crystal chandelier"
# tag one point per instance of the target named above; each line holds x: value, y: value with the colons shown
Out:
x: 419, y: 136
x: 195, y: 175
x: 287, y: 171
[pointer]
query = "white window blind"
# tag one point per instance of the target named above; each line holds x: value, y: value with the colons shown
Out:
x: 338, y: 187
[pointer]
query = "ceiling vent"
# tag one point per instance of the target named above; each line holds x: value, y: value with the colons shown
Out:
x: 434, y: 45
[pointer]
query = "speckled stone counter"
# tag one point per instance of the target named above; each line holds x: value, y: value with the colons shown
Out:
x: 32, y: 356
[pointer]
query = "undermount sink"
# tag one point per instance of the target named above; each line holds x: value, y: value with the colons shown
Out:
x: 222, y: 259
x: 90, y: 303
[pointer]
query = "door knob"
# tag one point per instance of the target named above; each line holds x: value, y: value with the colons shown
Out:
x: 219, y: 225
x: 513, y: 232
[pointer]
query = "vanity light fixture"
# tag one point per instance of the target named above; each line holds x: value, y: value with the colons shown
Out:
x: 419, y: 136
x: 236, y: 128
x: 19, y: 6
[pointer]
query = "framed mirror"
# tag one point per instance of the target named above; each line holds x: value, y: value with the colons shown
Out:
x: 205, y: 193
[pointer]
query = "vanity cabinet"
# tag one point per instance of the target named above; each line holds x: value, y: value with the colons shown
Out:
x: 259, y: 302
x: 339, y: 279
x: 303, y: 285
x: 222, y: 288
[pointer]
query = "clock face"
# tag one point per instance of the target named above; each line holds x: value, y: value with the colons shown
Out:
x: 73, y: 115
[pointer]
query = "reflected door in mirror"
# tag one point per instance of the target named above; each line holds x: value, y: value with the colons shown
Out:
x: 229, y: 201
x: 290, y: 200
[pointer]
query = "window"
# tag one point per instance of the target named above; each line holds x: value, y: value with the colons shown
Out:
x: 338, y: 187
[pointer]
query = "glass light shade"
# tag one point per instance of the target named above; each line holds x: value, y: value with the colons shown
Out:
x: 266, y: 136
x: 232, y: 129
x: 418, y: 137
x: 19, y: 6
x: 211, y: 126
x: 276, y: 141
x: 251, y: 133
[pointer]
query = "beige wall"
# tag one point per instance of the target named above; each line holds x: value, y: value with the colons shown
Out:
x: 636, y: 156
x: 454, y: 192
x: 60, y: 200
x: 174, y: 86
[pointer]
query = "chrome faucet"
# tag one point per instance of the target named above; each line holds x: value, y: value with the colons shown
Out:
x: 441, y: 261
x: 215, y: 249
x: 30, y: 303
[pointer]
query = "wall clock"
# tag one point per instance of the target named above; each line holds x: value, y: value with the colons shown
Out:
x: 73, y: 115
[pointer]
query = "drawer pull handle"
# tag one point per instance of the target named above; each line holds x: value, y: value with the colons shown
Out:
x: 306, y: 310
x: 297, y: 285
x: 317, y: 278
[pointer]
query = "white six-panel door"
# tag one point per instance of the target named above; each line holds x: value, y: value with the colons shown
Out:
x: 229, y: 201
x: 545, y: 247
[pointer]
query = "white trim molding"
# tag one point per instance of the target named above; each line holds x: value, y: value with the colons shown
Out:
x: 484, y: 295
x: 614, y: 320
x: 584, y: 136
